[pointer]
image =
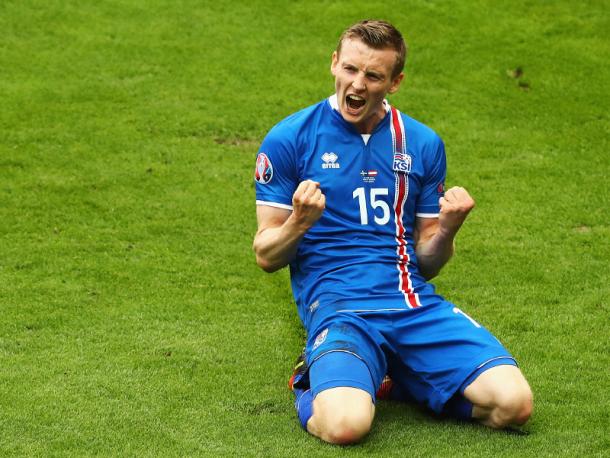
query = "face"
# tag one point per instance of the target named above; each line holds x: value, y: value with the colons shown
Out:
x: 363, y: 77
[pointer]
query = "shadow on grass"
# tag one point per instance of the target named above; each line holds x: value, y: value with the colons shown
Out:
x: 395, y: 420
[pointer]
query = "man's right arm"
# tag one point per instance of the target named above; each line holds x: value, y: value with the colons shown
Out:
x: 280, y: 231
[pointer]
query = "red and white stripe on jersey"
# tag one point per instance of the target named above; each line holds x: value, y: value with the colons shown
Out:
x: 401, y: 193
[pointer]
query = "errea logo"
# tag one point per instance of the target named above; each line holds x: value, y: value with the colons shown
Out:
x: 330, y: 161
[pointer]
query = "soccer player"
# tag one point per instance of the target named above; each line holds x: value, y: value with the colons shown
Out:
x: 350, y: 194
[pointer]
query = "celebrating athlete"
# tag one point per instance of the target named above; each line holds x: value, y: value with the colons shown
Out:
x: 350, y: 194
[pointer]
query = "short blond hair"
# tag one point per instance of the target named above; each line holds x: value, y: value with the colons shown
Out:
x: 378, y: 35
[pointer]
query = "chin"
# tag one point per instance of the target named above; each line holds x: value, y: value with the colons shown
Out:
x: 354, y: 119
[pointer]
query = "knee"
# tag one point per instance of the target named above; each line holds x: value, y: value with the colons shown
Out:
x: 345, y: 429
x: 342, y: 415
x: 501, y: 397
x: 514, y: 406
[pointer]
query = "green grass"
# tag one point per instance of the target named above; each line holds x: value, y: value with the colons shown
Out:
x: 134, y: 321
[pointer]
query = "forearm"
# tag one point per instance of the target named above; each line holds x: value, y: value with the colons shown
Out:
x: 275, y: 247
x: 434, y: 252
x: 280, y: 230
x: 434, y: 237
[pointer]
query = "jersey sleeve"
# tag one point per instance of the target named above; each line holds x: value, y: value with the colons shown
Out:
x: 433, y: 188
x: 275, y: 174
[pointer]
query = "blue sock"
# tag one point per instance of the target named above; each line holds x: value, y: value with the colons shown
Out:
x: 304, y: 405
x: 458, y: 407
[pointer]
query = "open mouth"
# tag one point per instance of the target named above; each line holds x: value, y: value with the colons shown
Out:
x: 354, y: 102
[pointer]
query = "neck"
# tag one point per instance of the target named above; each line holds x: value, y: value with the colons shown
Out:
x: 368, y: 125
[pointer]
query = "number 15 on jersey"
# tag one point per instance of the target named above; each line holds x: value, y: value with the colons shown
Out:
x: 376, y: 202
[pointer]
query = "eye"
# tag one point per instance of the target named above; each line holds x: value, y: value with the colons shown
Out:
x: 350, y: 68
x: 373, y: 76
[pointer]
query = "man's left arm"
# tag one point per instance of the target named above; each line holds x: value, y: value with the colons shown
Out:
x: 434, y: 237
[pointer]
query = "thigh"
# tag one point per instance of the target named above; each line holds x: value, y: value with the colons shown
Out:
x: 351, y: 342
x: 343, y: 390
x: 437, y: 348
x: 340, y: 369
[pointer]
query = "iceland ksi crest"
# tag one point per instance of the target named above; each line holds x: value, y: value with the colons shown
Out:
x: 402, y: 163
x: 264, y: 169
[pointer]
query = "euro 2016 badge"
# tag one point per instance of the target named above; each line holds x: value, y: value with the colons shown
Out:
x: 402, y: 163
x: 264, y: 169
x: 320, y: 339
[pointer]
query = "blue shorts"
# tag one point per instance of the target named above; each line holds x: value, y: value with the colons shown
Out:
x: 430, y: 352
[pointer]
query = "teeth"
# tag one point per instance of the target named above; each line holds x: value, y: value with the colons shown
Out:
x: 355, y: 97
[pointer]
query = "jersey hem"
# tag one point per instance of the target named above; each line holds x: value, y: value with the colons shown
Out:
x: 427, y: 215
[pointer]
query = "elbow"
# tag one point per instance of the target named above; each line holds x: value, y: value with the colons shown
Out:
x: 266, y: 259
x: 266, y: 265
x: 262, y: 261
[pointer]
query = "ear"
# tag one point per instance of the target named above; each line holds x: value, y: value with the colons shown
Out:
x: 333, y: 63
x: 396, y: 83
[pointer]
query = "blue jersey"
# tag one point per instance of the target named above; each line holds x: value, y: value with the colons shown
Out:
x: 360, y: 254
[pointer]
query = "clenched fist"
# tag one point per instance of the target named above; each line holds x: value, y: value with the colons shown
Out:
x: 308, y: 203
x: 455, y: 206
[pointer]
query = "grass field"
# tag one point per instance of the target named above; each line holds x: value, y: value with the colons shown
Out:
x: 133, y: 318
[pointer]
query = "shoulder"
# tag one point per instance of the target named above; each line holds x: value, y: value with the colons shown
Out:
x: 298, y: 123
x: 419, y: 132
x: 287, y: 141
x: 424, y: 145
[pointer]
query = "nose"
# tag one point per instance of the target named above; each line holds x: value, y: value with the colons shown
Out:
x: 358, y: 82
